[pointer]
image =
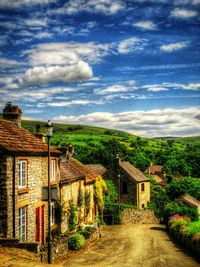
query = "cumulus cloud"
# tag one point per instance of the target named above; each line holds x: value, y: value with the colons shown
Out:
x: 107, y: 7
x: 169, y: 48
x: 64, y: 53
x: 152, y: 123
x: 182, y: 13
x: 131, y: 45
x: 145, y: 25
x: 78, y: 71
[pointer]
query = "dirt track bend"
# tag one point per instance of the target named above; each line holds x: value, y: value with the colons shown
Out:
x: 135, y: 246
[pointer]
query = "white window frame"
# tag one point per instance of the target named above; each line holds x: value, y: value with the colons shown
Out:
x: 53, y: 169
x: 53, y: 217
x: 23, y: 224
x: 22, y: 173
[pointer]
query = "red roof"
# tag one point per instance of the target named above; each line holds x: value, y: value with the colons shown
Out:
x: 69, y: 172
x: 96, y: 168
x: 19, y: 140
x: 90, y: 176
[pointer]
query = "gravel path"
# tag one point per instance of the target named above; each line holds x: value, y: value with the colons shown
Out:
x: 135, y: 246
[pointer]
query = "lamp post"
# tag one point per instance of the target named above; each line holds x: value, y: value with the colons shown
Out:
x: 49, y: 131
x: 119, y: 190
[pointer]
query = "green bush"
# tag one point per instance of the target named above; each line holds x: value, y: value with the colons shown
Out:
x: 87, y: 231
x: 76, y: 241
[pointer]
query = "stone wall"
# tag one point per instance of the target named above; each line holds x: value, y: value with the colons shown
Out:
x: 130, y: 216
x: 30, y: 197
x: 59, y: 250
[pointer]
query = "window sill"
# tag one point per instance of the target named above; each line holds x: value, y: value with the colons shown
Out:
x: 23, y: 191
x: 53, y: 182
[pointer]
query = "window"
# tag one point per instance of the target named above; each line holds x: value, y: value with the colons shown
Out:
x: 142, y: 187
x: 53, y: 217
x: 124, y: 188
x: 53, y: 170
x: 22, y: 173
x: 22, y: 224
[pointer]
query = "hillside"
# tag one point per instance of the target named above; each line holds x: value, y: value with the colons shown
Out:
x: 82, y: 135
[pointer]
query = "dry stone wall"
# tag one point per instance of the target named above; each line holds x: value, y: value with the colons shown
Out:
x: 130, y: 216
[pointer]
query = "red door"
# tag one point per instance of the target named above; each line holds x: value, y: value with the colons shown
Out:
x: 37, y: 224
x: 40, y: 224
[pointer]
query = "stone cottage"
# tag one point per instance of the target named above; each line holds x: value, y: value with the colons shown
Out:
x: 191, y: 201
x: 158, y: 174
x: 77, y: 186
x: 132, y: 185
x: 23, y: 175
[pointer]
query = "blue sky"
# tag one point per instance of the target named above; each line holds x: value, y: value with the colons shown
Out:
x: 131, y: 65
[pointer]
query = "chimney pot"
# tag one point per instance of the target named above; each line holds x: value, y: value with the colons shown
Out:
x: 12, y: 113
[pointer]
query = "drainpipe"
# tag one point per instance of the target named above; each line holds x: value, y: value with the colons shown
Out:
x: 13, y: 196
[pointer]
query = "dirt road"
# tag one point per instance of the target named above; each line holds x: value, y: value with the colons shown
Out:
x: 135, y: 246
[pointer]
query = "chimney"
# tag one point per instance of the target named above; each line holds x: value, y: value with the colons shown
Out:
x: 39, y: 134
x: 12, y: 113
x: 70, y: 151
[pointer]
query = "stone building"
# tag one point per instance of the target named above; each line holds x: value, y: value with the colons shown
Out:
x: 23, y: 175
x: 132, y: 185
x: 158, y: 174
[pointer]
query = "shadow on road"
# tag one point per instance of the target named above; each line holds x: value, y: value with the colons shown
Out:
x: 158, y: 228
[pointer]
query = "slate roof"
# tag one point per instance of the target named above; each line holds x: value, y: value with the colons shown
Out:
x: 89, y: 175
x: 18, y: 140
x: 133, y: 172
x: 99, y: 169
x: 190, y: 200
x: 69, y: 173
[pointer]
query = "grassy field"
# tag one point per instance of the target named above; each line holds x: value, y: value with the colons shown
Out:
x: 82, y: 135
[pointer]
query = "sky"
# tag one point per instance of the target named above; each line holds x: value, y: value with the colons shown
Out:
x: 131, y: 65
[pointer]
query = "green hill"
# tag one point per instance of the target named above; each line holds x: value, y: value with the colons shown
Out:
x: 179, y: 156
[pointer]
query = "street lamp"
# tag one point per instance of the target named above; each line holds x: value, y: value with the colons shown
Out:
x: 119, y: 190
x: 49, y: 131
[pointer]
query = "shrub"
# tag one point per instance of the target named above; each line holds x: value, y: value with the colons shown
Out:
x: 72, y: 217
x: 76, y: 241
x: 87, y: 231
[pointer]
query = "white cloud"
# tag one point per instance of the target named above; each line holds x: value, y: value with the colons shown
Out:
x: 131, y: 45
x: 145, y: 25
x: 157, y: 89
x: 152, y: 123
x: 174, y: 47
x: 107, y: 7
x: 183, y: 13
x: 34, y: 22
x: 81, y: 102
x: 113, y: 89
x: 6, y: 63
x: 74, y: 72
x: 19, y: 3
x: 64, y: 53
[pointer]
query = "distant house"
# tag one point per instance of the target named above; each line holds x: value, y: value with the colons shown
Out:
x: 157, y: 172
x: 23, y: 175
x: 132, y: 185
x: 191, y: 201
